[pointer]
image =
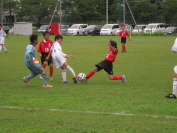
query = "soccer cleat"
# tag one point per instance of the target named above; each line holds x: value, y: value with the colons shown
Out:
x: 6, y: 52
x: 170, y: 96
x: 75, y: 79
x: 51, y: 78
x: 47, y: 86
x: 124, y: 79
x: 40, y: 76
x: 66, y: 82
x: 26, y: 81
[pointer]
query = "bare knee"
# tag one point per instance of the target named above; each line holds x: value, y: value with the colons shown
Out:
x: 95, y: 69
x: 45, y: 63
x: 175, y: 75
x: 110, y: 77
x: 51, y: 65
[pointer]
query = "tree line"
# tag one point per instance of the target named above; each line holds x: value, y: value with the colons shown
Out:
x: 92, y: 11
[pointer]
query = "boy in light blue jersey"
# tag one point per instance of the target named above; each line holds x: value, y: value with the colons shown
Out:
x: 31, y: 64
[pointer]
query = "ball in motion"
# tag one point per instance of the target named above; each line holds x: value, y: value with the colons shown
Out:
x: 81, y: 77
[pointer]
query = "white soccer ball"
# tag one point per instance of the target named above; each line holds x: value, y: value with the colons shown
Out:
x: 81, y: 77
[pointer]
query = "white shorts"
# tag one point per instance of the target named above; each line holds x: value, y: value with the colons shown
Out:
x: 58, y: 60
x: 1, y: 40
x: 175, y: 69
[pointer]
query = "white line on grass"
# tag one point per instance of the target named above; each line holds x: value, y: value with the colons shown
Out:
x: 89, y: 112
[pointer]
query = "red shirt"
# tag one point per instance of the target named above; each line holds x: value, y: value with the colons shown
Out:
x: 123, y: 33
x: 111, y: 56
x: 45, y: 46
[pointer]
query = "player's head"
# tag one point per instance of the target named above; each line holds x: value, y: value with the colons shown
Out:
x: 123, y: 27
x: 59, y: 39
x: 34, y: 39
x: 46, y: 35
x: 113, y: 43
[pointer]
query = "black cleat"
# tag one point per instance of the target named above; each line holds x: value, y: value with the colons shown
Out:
x: 170, y: 96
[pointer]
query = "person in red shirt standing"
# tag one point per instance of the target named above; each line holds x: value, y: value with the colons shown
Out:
x: 123, y: 34
x: 44, y: 49
x: 107, y: 63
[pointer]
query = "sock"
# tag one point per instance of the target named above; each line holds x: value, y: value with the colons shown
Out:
x: 174, y: 86
x: 0, y: 48
x: 51, y: 71
x: 4, y: 48
x: 90, y: 74
x: 71, y: 71
x: 64, y: 75
x: 43, y: 75
x: 32, y: 75
x: 122, y: 47
x: 43, y: 66
x: 117, y: 77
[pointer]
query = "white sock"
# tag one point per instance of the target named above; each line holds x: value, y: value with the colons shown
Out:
x: 174, y: 86
x: 0, y: 48
x: 71, y: 71
x: 64, y: 75
x: 4, y: 48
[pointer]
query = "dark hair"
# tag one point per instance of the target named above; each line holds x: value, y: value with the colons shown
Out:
x: 113, y: 43
x: 57, y: 37
x: 33, y: 37
x: 46, y: 32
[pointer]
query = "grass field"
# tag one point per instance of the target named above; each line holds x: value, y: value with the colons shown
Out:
x: 99, y: 106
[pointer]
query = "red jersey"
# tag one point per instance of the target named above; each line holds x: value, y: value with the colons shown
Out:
x: 123, y: 33
x: 111, y: 56
x: 45, y: 46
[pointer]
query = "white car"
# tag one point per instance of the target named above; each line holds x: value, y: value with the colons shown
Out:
x: 109, y: 29
x: 155, y: 27
x: 138, y: 29
x: 77, y: 29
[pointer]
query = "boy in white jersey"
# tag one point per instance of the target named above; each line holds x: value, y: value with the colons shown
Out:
x: 59, y: 58
x: 2, y: 35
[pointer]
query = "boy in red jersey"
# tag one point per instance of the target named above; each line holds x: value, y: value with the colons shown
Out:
x: 123, y: 34
x: 107, y: 63
x: 44, y: 49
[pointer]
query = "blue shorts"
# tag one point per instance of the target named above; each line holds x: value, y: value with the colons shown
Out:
x: 33, y: 67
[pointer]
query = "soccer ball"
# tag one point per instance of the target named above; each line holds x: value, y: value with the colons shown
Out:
x: 81, y: 77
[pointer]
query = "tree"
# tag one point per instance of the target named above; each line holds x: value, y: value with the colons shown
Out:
x: 35, y: 10
x: 169, y: 11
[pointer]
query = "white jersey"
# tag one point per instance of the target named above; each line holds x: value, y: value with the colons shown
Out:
x: 2, y: 33
x: 57, y: 55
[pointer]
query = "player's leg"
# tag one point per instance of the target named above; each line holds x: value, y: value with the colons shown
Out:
x: 0, y: 47
x: 123, y: 78
x: 124, y: 44
x: 174, y: 93
x: 92, y: 72
x: 43, y: 74
x: 43, y: 62
x: 50, y: 63
x: 4, y: 48
x: 64, y: 74
x: 69, y: 68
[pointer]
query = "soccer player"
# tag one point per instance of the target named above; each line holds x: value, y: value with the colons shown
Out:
x: 174, y: 93
x: 59, y: 58
x: 30, y: 62
x: 44, y: 49
x: 107, y: 63
x: 2, y: 35
x: 123, y: 34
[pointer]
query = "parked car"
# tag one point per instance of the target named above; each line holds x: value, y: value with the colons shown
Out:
x: 43, y: 28
x: 138, y: 29
x: 155, y: 27
x: 6, y: 29
x: 109, y: 29
x: 93, y: 30
x: 170, y: 30
x: 64, y: 29
x: 77, y: 29
x: 129, y: 28
x: 34, y: 28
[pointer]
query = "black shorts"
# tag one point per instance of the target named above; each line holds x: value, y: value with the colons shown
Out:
x: 106, y: 65
x: 123, y: 40
x: 44, y: 55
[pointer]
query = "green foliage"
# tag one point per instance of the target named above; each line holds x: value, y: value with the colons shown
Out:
x: 99, y: 106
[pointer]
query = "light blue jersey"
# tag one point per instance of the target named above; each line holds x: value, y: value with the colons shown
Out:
x: 30, y: 53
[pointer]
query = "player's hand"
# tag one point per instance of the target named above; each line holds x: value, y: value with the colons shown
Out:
x: 47, y: 58
x: 40, y: 55
x: 71, y: 57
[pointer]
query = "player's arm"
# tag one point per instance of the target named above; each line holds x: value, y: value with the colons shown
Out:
x: 119, y: 36
x: 7, y: 37
x: 39, y: 49
x: 47, y: 58
x: 69, y: 56
x: 128, y: 36
x: 111, y: 47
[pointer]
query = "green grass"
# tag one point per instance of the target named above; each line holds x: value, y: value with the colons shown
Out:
x: 91, y: 107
